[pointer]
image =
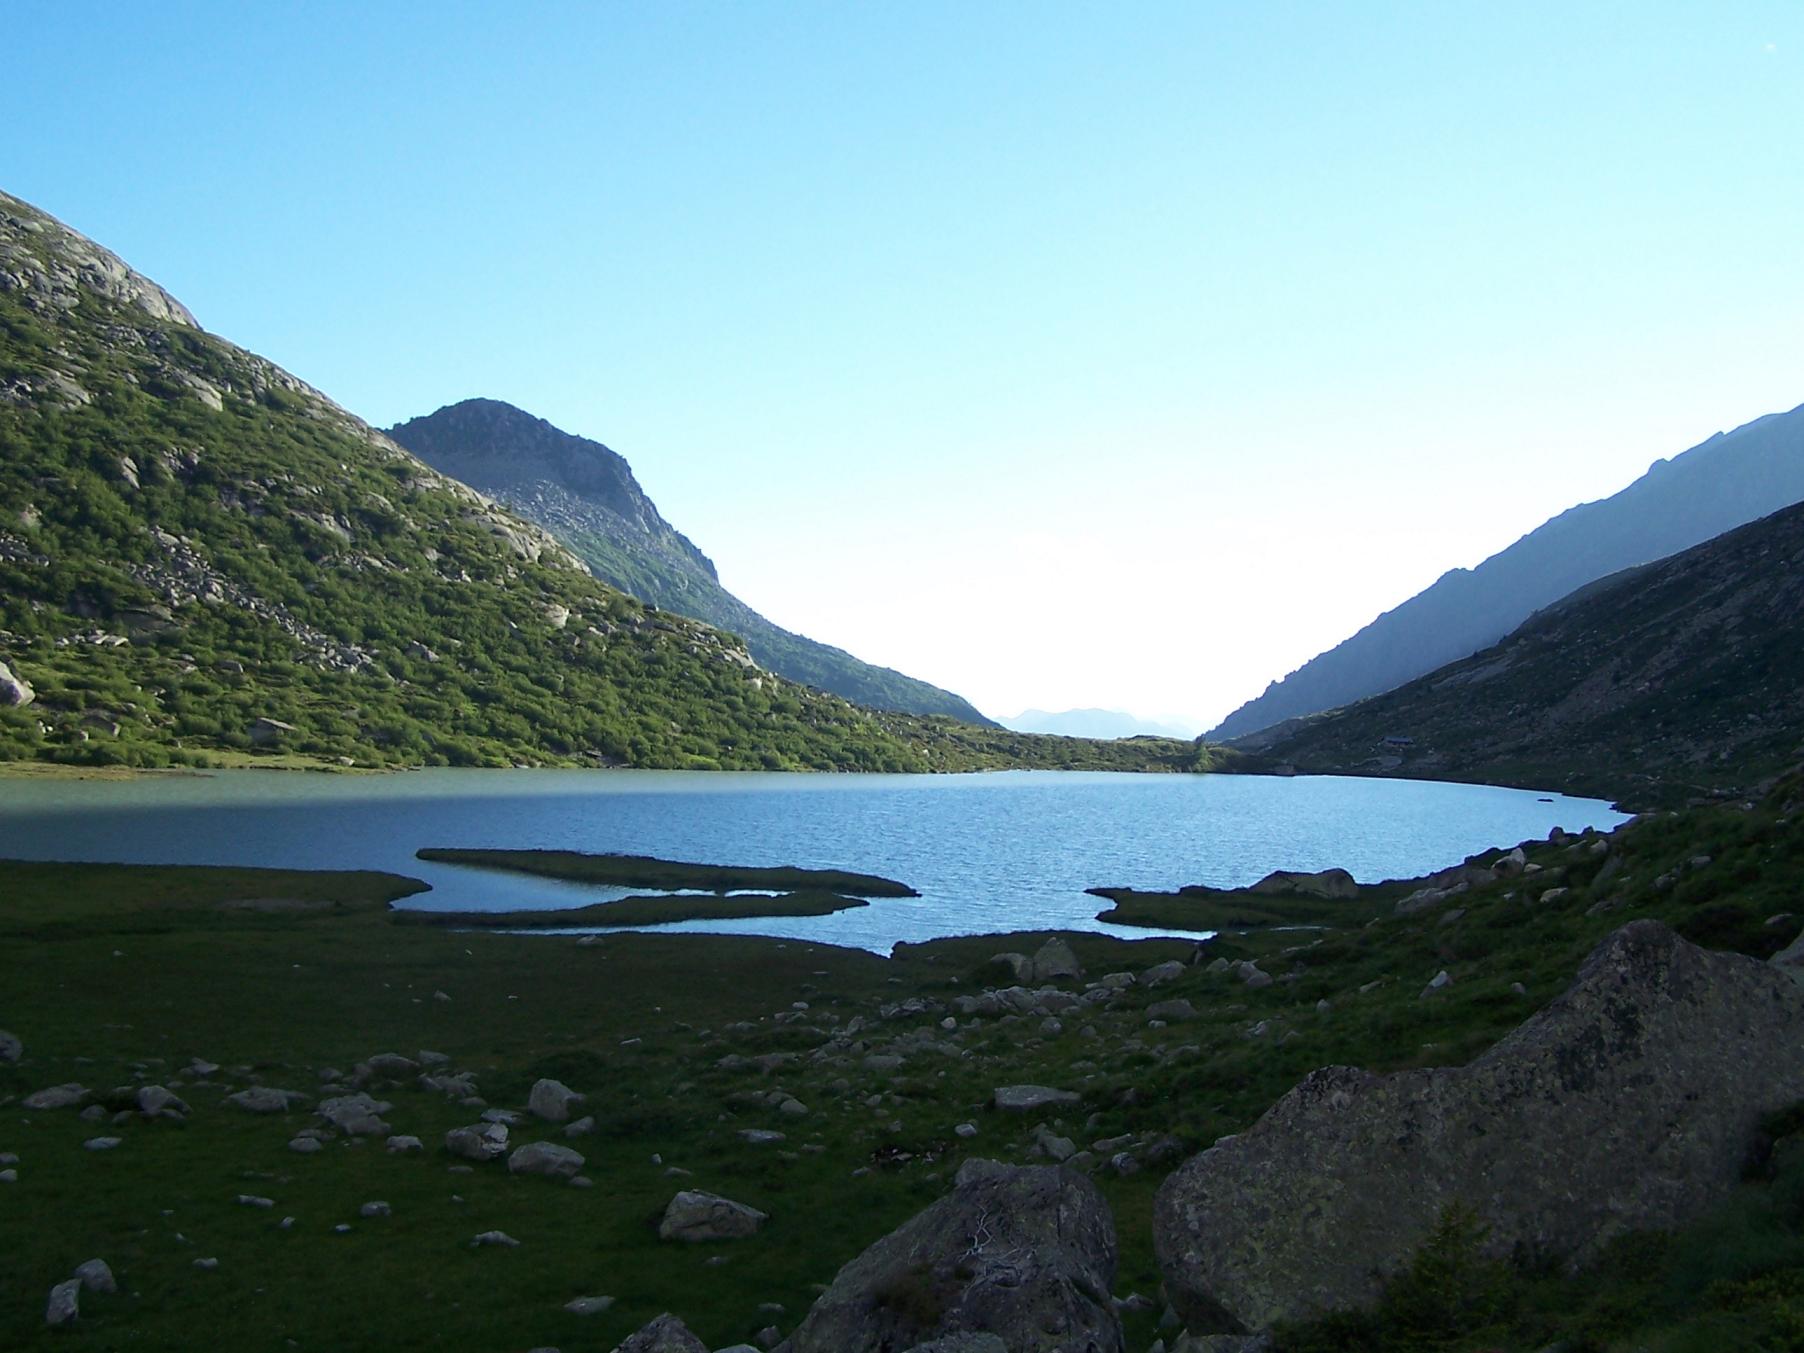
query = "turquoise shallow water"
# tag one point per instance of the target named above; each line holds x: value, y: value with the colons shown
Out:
x: 993, y: 852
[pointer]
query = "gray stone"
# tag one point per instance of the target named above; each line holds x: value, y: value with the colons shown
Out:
x: 1029, y: 1098
x: 501, y: 1238
x: 588, y: 1305
x: 207, y: 1265
x: 546, y: 1158
x: 356, y: 1115
x: 1335, y: 884
x: 265, y: 1099
x: 11, y: 1049
x: 64, y: 1305
x: 15, y: 691
x: 694, y: 1216
x: 962, y: 1343
x: 252, y: 1200
x: 376, y: 1209
x: 761, y: 1136
x: 666, y: 1334
x: 1054, y: 961
x: 1024, y: 1254
x: 1790, y: 959
x: 582, y: 1127
x: 103, y: 1143
x: 1054, y: 1147
x: 1172, y: 1012
x: 479, y: 1141
x: 1161, y: 973
x: 57, y: 1097
x: 96, y: 1276
x: 159, y: 1101
x: 405, y: 1145
x: 305, y: 1146
x: 393, y: 1066
x: 1629, y: 1103
x: 551, y: 1100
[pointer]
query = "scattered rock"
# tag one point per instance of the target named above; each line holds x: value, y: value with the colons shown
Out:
x: 206, y: 1265
x: 305, y: 1146
x: 501, y: 1238
x: 1439, y: 982
x: 96, y: 1276
x: 393, y: 1066
x: 962, y: 1343
x: 695, y: 1216
x: 1161, y: 973
x: 666, y: 1334
x: 479, y: 1141
x: 588, y: 1305
x: 582, y: 1127
x: 252, y: 1200
x: 64, y: 1305
x: 1026, y: 1254
x: 15, y: 691
x: 1028, y: 1098
x: 1335, y: 884
x: 376, y: 1209
x: 266, y: 1099
x: 551, y: 1100
x: 11, y: 1049
x: 103, y: 1143
x: 1171, y: 1012
x: 1629, y: 1103
x: 57, y: 1097
x: 546, y: 1158
x: 404, y: 1145
x: 356, y: 1115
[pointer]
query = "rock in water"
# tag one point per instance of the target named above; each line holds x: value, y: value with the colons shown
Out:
x: 551, y: 1100
x: 695, y: 1216
x: 1631, y: 1102
x: 666, y: 1334
x: 1026, y: 1254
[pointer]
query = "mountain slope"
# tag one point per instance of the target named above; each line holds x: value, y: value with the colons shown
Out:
x: 586, y: 495
x: 1091, y: 723
x: 1687, y: 672
x: 1731, y: 479
x: 201, y: 556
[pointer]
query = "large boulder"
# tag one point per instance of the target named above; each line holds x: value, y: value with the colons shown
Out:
x: 1026, y: 1254
x: 1329, y: 883
x: 666, y: 1334
x: 14, y: 690
x: 1054, y: 961
x: 551, y: 1100
x: 1631, y: 1102
x: 696, y: 1216
x: 547, y: 1158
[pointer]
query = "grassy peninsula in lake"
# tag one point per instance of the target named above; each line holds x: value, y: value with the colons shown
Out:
x: 645, y: 871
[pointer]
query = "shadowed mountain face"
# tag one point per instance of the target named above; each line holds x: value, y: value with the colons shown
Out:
x: 586, y: 495
x: 1731, y: 479
x: 1687, y: 672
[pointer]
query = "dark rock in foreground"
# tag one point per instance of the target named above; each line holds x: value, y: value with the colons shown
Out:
x: 1024, y: 1253
x: 1631, y: 1102
x: 666, y: 1334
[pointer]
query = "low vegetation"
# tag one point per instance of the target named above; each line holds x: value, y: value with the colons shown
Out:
x: 643, y: 911
x: 119, y: 977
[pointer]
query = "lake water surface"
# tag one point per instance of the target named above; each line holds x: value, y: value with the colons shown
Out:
x: 992, y: 852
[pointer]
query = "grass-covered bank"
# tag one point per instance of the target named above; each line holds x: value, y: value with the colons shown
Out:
x: 117, y: 977
x: 645, y: 871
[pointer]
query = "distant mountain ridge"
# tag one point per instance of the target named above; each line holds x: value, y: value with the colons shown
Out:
x: 1682, y: 673
x: 1092, y: 723
x: 1725, y: 482
x: 586, y: 494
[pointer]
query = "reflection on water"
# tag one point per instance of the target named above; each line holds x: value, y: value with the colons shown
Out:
x: 994, y: 852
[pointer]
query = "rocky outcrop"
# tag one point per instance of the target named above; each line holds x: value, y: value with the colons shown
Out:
x: 1631, y: 1102
x: 1026, y: 1254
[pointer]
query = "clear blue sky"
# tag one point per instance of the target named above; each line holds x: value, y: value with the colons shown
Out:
x: 1109, y: 354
